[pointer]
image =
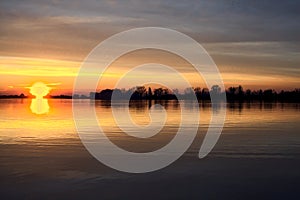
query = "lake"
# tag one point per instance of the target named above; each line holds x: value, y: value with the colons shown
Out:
x: 256, y: 156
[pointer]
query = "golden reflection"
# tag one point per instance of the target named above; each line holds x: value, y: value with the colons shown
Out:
x: 244, y: 118
x: 39, y: 105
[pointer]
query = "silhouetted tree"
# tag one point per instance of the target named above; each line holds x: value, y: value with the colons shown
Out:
x: 149, y: 94
x: 158, y: 93
x: 139, y: 94
x: 215, y: 89
x: 198, y: 92
x: 104, y: 94
x: 240, y: 93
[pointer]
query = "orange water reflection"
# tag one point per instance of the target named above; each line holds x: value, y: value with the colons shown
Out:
x: 19, y: 124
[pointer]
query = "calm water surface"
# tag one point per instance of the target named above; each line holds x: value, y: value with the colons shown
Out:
x: 264, y: 125
x: 259, y: 145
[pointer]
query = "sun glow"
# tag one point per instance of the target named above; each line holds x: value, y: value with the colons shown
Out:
x: 39, y: 90
x: 39, y: 105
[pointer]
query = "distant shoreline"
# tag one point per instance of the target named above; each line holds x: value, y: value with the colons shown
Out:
x: 233, y: 94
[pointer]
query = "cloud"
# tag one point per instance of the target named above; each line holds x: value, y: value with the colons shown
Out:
x: 244, y: 37
x: 19, y: 66
x: 269, y: 58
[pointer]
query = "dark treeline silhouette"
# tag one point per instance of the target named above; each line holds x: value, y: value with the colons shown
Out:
x: 12, y: 96
x: 232, y: 94
x: 62, y: 96
x: 269, y: 95
x: 138, y: 93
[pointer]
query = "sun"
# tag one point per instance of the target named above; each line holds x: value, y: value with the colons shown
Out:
x: 39, y: 90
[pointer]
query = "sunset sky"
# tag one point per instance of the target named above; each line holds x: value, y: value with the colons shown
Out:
x: 254, y: 43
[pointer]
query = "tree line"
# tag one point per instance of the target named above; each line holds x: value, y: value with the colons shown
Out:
x: 202, y: 94
x: 232, y: 94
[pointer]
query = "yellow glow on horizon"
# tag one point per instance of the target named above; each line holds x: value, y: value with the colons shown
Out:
x: 21, y: 66
x: 17, y: 72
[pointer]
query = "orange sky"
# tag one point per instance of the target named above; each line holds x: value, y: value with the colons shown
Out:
x: 17, y: 73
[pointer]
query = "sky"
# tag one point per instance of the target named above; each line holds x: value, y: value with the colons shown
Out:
x: 254, y: 43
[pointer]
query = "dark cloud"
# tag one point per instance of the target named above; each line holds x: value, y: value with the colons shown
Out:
x: 212, y: 21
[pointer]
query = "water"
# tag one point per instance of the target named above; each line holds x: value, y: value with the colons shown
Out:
x: 259, y: 150
x: 267, y: 126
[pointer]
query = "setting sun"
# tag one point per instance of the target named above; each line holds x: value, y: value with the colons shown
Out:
x: 39, y: 89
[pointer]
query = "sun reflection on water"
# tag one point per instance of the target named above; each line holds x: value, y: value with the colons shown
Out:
x: 39, y: 106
